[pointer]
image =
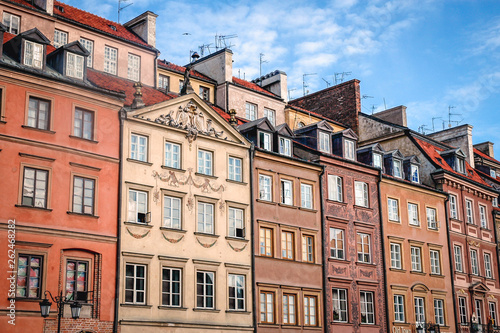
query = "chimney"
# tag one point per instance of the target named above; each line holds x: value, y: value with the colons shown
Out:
x: 460, y: 136
x: 275, y: 82
x: 47, y: 5
x: 396, y: 115
x: 138, y: 102
x: 218, y: 66
x: 486, y: 148
x: 144, y: 26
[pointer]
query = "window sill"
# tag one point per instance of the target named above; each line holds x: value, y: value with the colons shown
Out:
x: 32, y: 207
x: 441, y: 276
x: 237, y: 239
x: 81, y: 214
x: 205, y: 175
x: 362, y: 207
x: 414, y: 225
x: 165, y: 307
x: 22, y: 299
x: 338, y: 260
x: 400, y: 270
x: 173, y: 169
x: 468, y: 223
x: 145, y: 306
x: 433, y: 229
x: 308, y: 209
x: 269, y: 202
x: 238, y: 311
x: 360, y: 263
x: 336, y: 202
x: 38, y: 129
x: 138, y: 224
x: 485, y: 229
x: 236, y: 182
x: 83, y: 139
x: 206, y: 235
x: 3, y: 122
x: 288, y: 206
x: 418, y: 273
x: 138, y: 161
x: 206, y: 310
x: 171, y: 229
x: 395, y: 221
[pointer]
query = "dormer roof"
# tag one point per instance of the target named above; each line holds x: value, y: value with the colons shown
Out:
x: 376, y: 147
x: 456, y: 151
x: 322, y: 125
x: 348, y: 133
x: 284, y: 130
x: 412, y: 159
x: 34, y: 35
x: 261, y: 123
x: 394, y: 153
x: 74, y: 47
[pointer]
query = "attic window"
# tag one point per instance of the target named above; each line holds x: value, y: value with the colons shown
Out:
x: 459, y: 165
x: 493, y: 173
x: 59, y: 8
x: 397, y: 172
x: 112, y: 27
x: 74, y: 65
x: 324, y: 142
x: 349, y: 150
x: 377, y: 160
x: 414, y: 173
x: 33, y: 54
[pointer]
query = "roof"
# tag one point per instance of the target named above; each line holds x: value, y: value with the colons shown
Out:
x: 180, y: 69
x: 150, y: 95
x: 483, y: 155
x: 226, y: 115
x: 252, y: 86
x: 298, y: 108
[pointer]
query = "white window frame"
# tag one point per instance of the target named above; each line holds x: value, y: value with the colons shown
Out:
x: 33, y: 54
x: 11, y: 29
x: 395, y: 255
x: 397, y: 168
x: 206, y: 296
x: 110, y: 60
x: 487, y: 266
x: 134, y: 206
x: 235, y: 168
x: 439, y: 311
x: 172, y: 212
x: 431, y: 218
x: 435, y: 262
x: 492, y: 309
x: 134, y: 290
x: 236, y: 284
x: 416, y: 258
x: 453, y: 207
x: 469, y: 210
x: 479, y: 310
x: 349, y: 151
x: 462, y: 310
x: 60, y: 38
x: 335, y: 188
x: 171, y: 282
x: 306, y: 196
x: 364, y: 240
x: 134, y: 67
x: 74, y: 65
x: 285, y: 146
x: 393, y: 209
x: 474, y: 262
x: 361, y: 194
x: 324, y: 142
x: 236, y: 219
x: 270, y: 115
x: 205, y: 162
x: 377, y: 160
x: 457, y: 251
x: 335, y: 252
x: 339, y: 304
x: 164, y: 82
x: 286, y: 190
x: 482, y: 217
x: 172, y: 155
x: 310, y: 306
x: 265, y: 187
x: 267, y: 315
x: 205, y: 222
x: 139, y: 148
x: 415, y: 176
x: 89, y: 46
x: 367, y: 307
x: 265, y: 141
x: 413, y: 214
x: 87, y: 192
x: 399, y: 308
x: 419, y: 303
x: 250, y: 111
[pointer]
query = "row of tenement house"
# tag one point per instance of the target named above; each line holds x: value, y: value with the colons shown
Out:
x: 169, y: 198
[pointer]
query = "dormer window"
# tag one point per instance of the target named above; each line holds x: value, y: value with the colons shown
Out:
x: 495, y: 202
x: 349, y: 149
x: 60, y: 38
x: 414, y: 176
x: 74, y: 65
x: 33, y: 54
x: 377, y: 160
x: 397, y: 172
x: 460, y: 164
x: 285, y: 147
x: 324, y: 142
x: 12, y: 22
x: 265, y: 141
x: 493, y: 173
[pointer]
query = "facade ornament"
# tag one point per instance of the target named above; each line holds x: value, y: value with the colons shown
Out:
x: 172, y: 240
x: 232, y: 120
x: 137, y: 236
x: 207, y: 245
x: 137, y: 102
x: 236, y: 249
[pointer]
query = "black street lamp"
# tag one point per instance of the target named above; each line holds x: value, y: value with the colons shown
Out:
x: 60, y: 301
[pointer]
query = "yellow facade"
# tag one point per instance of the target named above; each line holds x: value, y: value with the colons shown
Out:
x: 175, y: 79
x: 296, y: 119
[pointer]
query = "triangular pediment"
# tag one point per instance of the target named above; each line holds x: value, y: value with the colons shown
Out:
x: 76, y: 47
x: 262, y: 124
x: 34, y: 35
x: 322, y: 125
x: 375, y: 147
x: 395, y: 153
x: 412, y: 159
x: 189, y: 113
x: 350, y: 134
x: 479, y: 287
x: 284, y: 130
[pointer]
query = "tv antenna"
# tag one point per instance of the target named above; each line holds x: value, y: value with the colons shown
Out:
x: 340, y: 77
x: 289, y: 91
x: 452, y: 114
x: 434, y: 118
x: 327, y: 83
x: 204, y: 47
x: 373, y: 108
x: 221, y: 41
x: 422, y: 129
x: 261, y: 61
x: 304, y: 84
x: 120, y: 7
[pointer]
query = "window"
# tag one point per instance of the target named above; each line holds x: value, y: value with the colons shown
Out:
x: 415, y: 174
x: 266, y: 307
x: 33, y: 54
x: 367, y: 309
x: 138, y: 206
x: 479, y: 310
x: 205, y: 93
x: 492, y: 307
x: 181, y: 85
x: 289, y: 316
x: 398, y: 173
x: 393, y: 209
x: 172, y: 155
x: 349, y: 150
x: 205, y: 217
x: 287, y: 192
x: 462, y: 310
x: 285, y: 146
x: 413, y: 214
x: 110, y: 56
x: 60, y: 38
x: 396, y: 255
x: 12, y: 22
x: 89, y: 45
x: 265, y: 141
x: 431, y: 218
x: 236, y: 223
x: 435, y: 262
x: 235, y: 169
x: 163, y: 82
x: 337, y: 243
x: 84, y: 124
x: 35, y: 185
x: 458, y: 258
x: 310, y: 310
x: 74, y: 65
x: 29, y: 276
x: 265, y: 187
x: 419, y: 310
x: 77, y: 280
x: 416, y: 259
x: 271, y: 115
x: 236, y: 285
x: 487, y: 266
x: 324, y: 142
x: 250, y: 111
x: 482, y: 216
x: 495, y: 202
x: 139, y: 147
x: 364, y: 253
x: 453, y: 207
x: 287, y: 246
x: 306, y: 196
x: 39, y: 113
x: 339, y: 299
x: 335, y: 188
x: 205, y: 290
x: 266, y: 242
x: 205, y: 159
x: 83, y: 195
x: 307, y: 248
x: 171, y: 287
x: 361, y: 194
x: 399, y: 308
x: 468, y: 206
x: 377, y: 160
x: 460, y: 165
x: 493, y: 173
x: 300, y: 124
x: 473, y: 262
x: 171, y: 212
x: 439, y: 311
x: 135, y: 284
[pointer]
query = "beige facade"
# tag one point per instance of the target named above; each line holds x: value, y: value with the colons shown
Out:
x: 191, y: 270
x: 296, y: 118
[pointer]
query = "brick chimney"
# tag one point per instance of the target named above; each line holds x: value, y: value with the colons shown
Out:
x: 460, y: 136
x: 486, y: 148
x: 144, y: 25
x: 396, y: 115
x: 275, y: 82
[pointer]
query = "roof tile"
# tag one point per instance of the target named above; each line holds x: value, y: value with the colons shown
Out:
x: 180, y: 69
x: 252, y: 86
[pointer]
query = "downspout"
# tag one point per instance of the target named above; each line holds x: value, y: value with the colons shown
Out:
x: 121, y: 115
x: 494, y: 213
x: 251, y: 153
x: 227, y: 97
x: 383, y: 250
x: 324, y: 243
x: 156, y: 69
x: 452, y: 262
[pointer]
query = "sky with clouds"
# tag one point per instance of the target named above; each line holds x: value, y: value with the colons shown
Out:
x: 427, y: 55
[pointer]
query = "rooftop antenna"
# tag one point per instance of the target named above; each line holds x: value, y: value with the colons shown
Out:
x: 373, y: 108
x: 327, y: 83
x: 422, y: 129
x: 289, y: 91
x: 203, y: 47
x: 261, y: 61
x: 304, y: 84
x: 452, y: 114
x: 340, y: 77
x: 385, y: 105
x: 433, y: 122
x: 120, y: 7
x: 220, y: 41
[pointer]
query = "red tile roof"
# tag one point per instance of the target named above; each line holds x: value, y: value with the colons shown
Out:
x: 8, y: 36
x: 179, y: 69
x: 150, y: 95
x: 433, y: 152
x: 226, y: 115
x: 24, y: 3
x: 483, y: 155
x: 252, y: 86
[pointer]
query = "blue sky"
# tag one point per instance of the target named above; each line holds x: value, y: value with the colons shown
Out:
x: 427, y: 55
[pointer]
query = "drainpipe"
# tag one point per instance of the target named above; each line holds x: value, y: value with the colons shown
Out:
x: 494, y: 213
x: 121, y: 115
x: 227, y: 97
x: 157, y: 54
x: 466, y: 245
x: 251, y: 154
x: 324, y: 243
x: 383, y: 250
x: 452, y: 263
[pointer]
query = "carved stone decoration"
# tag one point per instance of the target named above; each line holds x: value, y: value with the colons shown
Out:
x: 367, y: 274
